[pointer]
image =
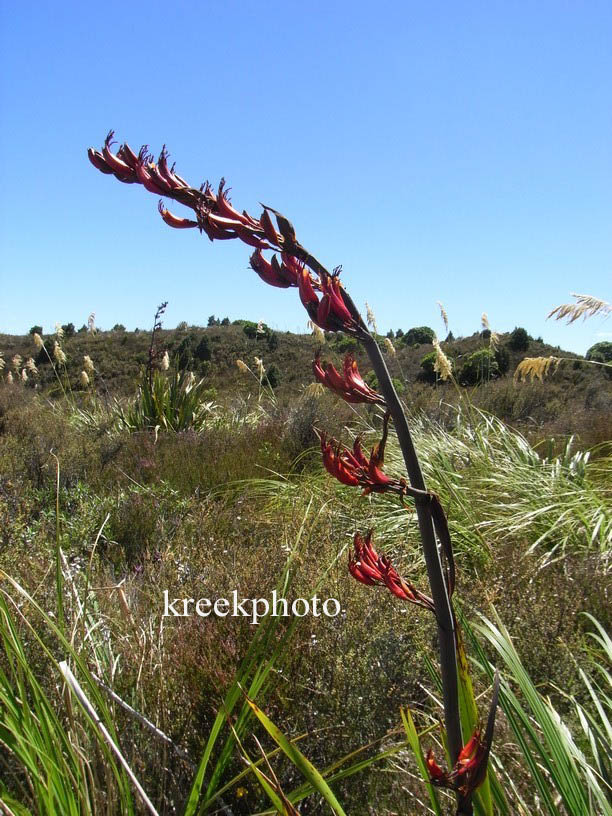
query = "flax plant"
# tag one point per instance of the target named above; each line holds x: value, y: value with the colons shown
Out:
x: 331, y: 308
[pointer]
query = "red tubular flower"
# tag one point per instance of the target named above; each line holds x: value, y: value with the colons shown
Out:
x: 370, y: 568
x: 354, y: 468
x: 269, y: 272
x: 173, y: 220
x: 351, y: 387
x: 468, y: 772
x: 436, y: 774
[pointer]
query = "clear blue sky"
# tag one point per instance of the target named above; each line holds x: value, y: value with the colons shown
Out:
x: 458, y: 152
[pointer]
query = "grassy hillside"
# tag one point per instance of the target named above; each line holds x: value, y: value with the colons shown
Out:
x: 244, y: 504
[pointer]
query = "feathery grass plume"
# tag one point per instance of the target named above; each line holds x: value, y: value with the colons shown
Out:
x: 58, y: 353
x: 260, y: 329
x: 443, y: 315
x: 260, y: 366
x: 2, y: 361
x: 9, y: 378
x: 389, y: 346
x: 31, y: 366
x: 585, y: 306
x: 91, y: 323
x: 315, y: 389
x: 370, y: 318
x: 317, y: 331
x: 242, y: 366
x: 59, y: 332
x: 442, y: 366
x: 17, y: 361
x: 24, y: 375
x: 84, y: 379
x: 535, y: 367
x: 484, y: 320
x: 165, y: 361
x: 494, y: 340
x: 88, y: 364
x: 38, y: 341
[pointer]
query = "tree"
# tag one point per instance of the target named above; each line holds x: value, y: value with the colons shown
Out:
x: 600, y: 352
x: 419, y: 334
x: 118, y: 327
x: 213, y: 321
x: 36, y: 330
x: 225, y: 321
x: 202, y: 350
x: 481, y: 366
x: 69, y: 330
x: 519, y: 339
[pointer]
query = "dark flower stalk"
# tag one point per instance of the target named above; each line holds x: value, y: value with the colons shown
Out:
x: 331, y: 308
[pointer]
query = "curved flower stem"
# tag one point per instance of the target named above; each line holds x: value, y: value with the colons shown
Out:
x: 444, y: 612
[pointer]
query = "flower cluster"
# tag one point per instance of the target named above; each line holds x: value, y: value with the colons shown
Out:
x: 349, y: 385
x: 468, y: 772
x: 320, y: 292
x: 354, y: 468
x: 370, y: 568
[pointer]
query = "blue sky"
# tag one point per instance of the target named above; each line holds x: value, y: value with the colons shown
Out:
x: 454, y: 152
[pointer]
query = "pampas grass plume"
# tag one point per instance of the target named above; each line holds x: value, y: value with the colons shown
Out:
x: 38, y: 341
x: 58, y: 353
x: 536, y: 368
x: 389, y: 346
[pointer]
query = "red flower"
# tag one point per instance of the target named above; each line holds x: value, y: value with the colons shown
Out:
x: 370, y: 568
x: 468, y: 772
x: 352, y: 467
x: 351, y: 387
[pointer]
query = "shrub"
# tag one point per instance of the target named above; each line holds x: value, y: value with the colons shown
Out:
x: 36, y: 330
x: 600, y: 352
x: 502, y: 358
x: 481, y: 366
x: 118, y: 327
x: 427, y: 364
x: 519, y: 339
x: 419, y: 335
x: 272, y: 376
x: 202, y: 350
x: 68, y: 329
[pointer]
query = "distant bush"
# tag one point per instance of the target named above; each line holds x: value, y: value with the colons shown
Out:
x: 485, y: 334
x: 225, y: 321
x: 202, y: 350
x: 418, y: 335
x: 519, y: 339
x: 272, y: 341
x: 118, y: 327
x: 342, y: 343
x: 600, y: 352
x: 427, y: 364
x: 68, y: 329
x: 36, y: 330
x: 250, y: 329
x: 481, y: 366
x: 502, y: 358
x: 273, y: 376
